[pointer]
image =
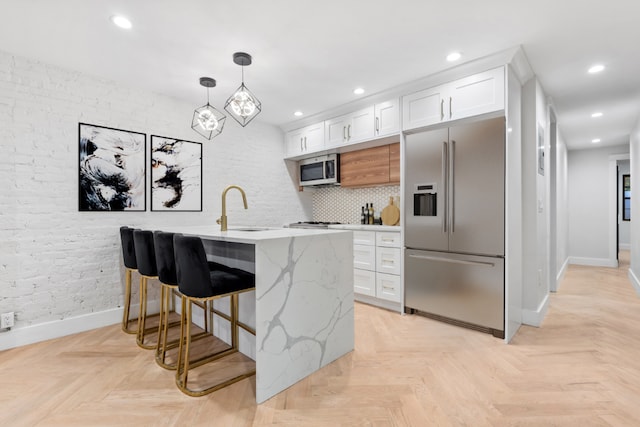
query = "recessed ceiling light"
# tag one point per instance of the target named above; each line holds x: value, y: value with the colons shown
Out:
x: 454, y: 56
x: 121, y: 21
x: 595, y: 141
x: 297, y: 113
x: 595, y: 115
x: 358, y: 91
x: 596, y: 68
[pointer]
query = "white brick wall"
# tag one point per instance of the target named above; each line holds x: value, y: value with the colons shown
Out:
x: 57, y: 263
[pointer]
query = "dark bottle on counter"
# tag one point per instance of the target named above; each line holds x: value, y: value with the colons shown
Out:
x: 370, y: 213
x: 366, y: 214
x: 363, y: 217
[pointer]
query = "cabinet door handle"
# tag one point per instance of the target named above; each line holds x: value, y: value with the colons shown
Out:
x: 305, y: 143
x: 348, y: 132
x: 450, y: 109
x: 377, y: 125
x: 344, y: 133
x: 442, y: 109
x: 301, y: 148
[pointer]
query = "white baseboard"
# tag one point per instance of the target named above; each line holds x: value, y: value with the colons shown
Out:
x: 634, y: 281
x: 388, y: 305
x: 594, y: 262
x: 624, y: 246
x: 561, y: 273
x: 17, y: 337
x: 535, y: 317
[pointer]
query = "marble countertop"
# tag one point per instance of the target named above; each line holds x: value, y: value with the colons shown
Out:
x: 248, y: 234
x: 365, y: 227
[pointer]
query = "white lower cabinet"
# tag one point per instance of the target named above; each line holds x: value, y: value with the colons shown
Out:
x: 364, y: 282
x: 388, y: 287
x: 377, y: 268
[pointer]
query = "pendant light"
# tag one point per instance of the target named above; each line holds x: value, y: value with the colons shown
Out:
x: 208, y: 121
x: 243, y: 106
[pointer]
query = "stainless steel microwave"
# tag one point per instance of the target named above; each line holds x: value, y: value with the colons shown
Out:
x: 320, y: 170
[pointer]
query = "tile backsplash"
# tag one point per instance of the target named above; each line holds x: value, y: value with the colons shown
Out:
x: 337, y: 204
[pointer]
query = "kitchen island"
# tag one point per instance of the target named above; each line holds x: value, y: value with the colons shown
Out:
x: 302, y: 308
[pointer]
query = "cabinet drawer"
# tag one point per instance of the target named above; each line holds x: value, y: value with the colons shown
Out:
x: 364, y: 237
x: 364, y: 257
x: 388, y: 287
x: 388, y: 239
x: 364, y: 282
x: 388, y: 260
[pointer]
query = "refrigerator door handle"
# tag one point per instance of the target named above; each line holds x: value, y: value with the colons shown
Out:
x: 445, y: 162
x: 452, y: 201
x: 452, y: 261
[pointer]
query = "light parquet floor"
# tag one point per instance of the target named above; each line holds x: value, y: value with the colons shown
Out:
x: 581, y: 368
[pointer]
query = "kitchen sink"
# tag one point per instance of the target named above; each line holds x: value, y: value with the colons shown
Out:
x: 249, y: 229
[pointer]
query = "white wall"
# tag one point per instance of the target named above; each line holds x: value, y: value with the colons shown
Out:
x: 534, y: 204
x: 59, y: 264
x: 624, y: 227
x: 589, y: 196
x: 562, y: 208
x: 634, y: 147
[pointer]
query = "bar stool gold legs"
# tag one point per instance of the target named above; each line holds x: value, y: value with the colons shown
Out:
x: 184, y: 362
x: 166, y: 302
x: 142, y: 316
x: 127, y: 303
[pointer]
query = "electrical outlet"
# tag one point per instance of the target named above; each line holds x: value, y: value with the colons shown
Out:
x: 6, y: 320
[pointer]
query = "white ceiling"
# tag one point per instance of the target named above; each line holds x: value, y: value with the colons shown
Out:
x: 310, y: 55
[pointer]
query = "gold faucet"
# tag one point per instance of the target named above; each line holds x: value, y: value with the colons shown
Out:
x: 223, y: 219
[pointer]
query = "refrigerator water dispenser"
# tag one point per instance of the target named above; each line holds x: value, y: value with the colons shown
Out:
x: 425, y: 198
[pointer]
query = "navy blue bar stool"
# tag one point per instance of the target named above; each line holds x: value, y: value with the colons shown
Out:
x: 147, y: 268
x: 130, y: 264
x: 197, y: 283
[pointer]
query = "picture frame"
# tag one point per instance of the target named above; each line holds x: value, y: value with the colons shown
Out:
x: 111, y: 169
x: 176, y: 175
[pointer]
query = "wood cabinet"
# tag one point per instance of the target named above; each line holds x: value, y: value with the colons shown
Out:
x: 306, y: 140
x: 371, y: 166
x: 477, y: 94
x: 350, y: 128
x: 394, y: 163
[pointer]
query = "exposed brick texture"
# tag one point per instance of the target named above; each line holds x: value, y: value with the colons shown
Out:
x: 56, y: 262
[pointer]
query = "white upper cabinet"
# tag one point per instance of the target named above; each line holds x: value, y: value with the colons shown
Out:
x: 477, y: 94
x: 350, y: 128
x: 387, y: 118
x: 423, y: 108
x: 306, y: 140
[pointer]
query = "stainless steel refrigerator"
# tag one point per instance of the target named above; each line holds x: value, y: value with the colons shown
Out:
x: 454, y: 224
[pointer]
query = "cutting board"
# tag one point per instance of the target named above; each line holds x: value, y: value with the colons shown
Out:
x: 391, y: 214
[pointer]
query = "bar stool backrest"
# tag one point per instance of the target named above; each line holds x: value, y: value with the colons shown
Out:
x: 145, y: 252
x: 128, y: 251
x: 192, y: 270
x: 163, y: 243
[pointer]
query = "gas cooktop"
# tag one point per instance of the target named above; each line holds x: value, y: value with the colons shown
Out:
x: 311, y: 224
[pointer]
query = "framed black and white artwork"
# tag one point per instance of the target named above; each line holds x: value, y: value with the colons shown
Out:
x: 112, y: 169
x: 176, y: 175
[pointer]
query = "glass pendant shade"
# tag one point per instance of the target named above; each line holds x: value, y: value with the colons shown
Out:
x: 208, y: 121
x: 243, y: 105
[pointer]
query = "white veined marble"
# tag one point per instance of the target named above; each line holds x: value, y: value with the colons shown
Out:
x: 304, y: 307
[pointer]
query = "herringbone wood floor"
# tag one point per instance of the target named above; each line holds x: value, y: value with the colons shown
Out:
x: 581, y: 368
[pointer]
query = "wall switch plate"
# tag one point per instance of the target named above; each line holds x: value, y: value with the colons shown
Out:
x: 6, y: 320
